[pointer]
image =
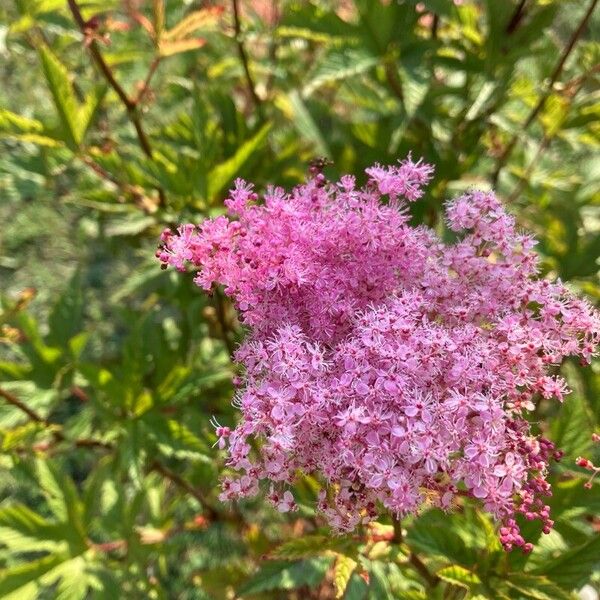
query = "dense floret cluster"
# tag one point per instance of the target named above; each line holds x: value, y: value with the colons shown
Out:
x: 394, y: 366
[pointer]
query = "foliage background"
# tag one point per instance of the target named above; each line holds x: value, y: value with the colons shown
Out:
x: 110, y: 367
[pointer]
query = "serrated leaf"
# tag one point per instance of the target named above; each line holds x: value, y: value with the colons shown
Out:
x: 536, y: 587
x: 33, y: 138
x: 23, y: 530
x: 339, y: 65
x: 167, y: 48
x: 286, y: 576
x: 199, y: 19
x: 342, y: 572
x: 63, y: 500
x: 75, y: 118
x: 74, y: 579
x: 306, y: 125
x: 571, y: 569
x: 11, y: 122
x: 66, y: 318
x: 63, y: 95
x: 18, y: 578
x: 222, y: 174
x: 357, y: 588
x: 379, y: 585
x: 307, y: 546
x: 434, y: 534
x: 87, y: 111
x: 415, y: 88
x: 457, y: 575
x: 29, y: 591
x: 573, y: 426
x: 17, y: 436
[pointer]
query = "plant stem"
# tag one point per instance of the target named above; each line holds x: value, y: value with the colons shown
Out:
x: 146, y: 85
x: 211, y: 513
x: 556, y: 72
x: 58, y: 435
x: 391, y: 74
x: 398, y: 536
x: 516, y: 18
x: 220, y: 309
x: 129, y: 103
x: 574, y: 86
x: 430, y: 578
x: 244, y: 57
x: 97, y: 56
x: 435, y: 23
x: 12, y: 399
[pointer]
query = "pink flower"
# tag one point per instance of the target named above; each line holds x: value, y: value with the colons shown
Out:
x: 287, y: 503
x: 381, y: 359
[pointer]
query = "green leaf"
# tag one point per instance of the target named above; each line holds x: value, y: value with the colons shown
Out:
x: 21, y: 577
x: 29, y: 591
x: 24, y: 129
x: 339, y: 65
x: 309, y: 545
x: 457, y: 575
x: 66, y: 318
x: 74, y: 579
x: 63, y: 95
x: 379, y: 584
x: 436, y: 534
x: 64, y: 502
x: 357, y: 588
x: 536, y: 587
x: 222, y: 174
x: 51, y: 485
x: 572, y: 569
x: 89, y: 109
x: 573, y: 425
x: 306, y: 125
x: 286, y: 576
x: 23, y: 530
x: 415, y: 88
x: 174, y: 438
x: 75, y: 118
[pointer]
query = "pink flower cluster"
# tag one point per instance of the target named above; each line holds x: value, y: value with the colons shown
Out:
x: 395, y: 367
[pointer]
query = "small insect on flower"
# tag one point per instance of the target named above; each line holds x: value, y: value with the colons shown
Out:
x: 395, y: 367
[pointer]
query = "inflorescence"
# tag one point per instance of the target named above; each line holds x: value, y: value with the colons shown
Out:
x: 394, y: 366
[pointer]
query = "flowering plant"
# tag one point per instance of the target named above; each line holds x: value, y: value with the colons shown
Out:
x: 397, y: 367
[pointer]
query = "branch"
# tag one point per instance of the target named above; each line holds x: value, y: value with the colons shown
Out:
x: 211, y: 513
x: 391, y: 74
x: 549, y: 88
x: 220, y: 309
x: 146, y: 85
x: 244, y: 57
x: 11, y: 399
x: 435, y: 23
x: 398, y: 536
x: 574, y: 86
x: 431, y: 579
x: 58, y: 435
x: 136, y: 192
x: 516, y: 18
x: 130, y: 104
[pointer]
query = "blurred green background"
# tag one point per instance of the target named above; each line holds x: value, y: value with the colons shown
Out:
x: 121, y: 117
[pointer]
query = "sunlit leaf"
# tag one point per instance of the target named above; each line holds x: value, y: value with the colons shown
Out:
x: 342, y: 571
